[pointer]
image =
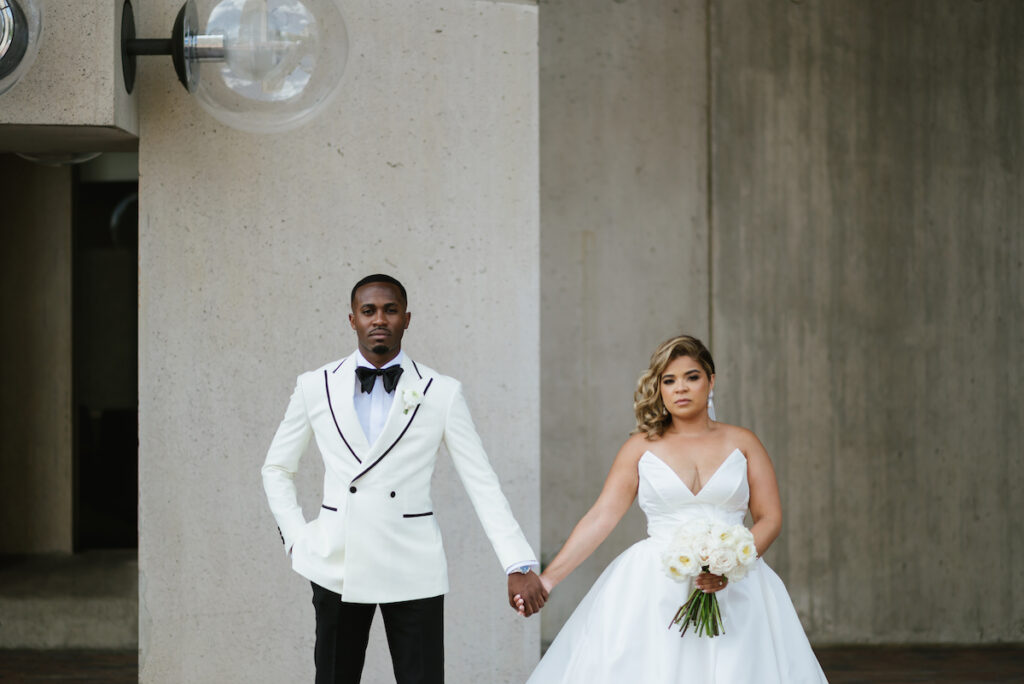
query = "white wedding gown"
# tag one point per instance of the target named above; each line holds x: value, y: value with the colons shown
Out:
x: 619, y: 633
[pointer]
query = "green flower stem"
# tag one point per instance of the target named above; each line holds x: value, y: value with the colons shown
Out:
x: 702, y: 612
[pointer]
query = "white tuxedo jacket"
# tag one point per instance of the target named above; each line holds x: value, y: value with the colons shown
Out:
x: 376, y: 539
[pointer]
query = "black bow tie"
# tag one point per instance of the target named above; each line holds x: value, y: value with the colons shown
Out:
x: 368, y: 376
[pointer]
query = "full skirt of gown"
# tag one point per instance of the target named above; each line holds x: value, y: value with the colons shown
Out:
x: 620, y: 631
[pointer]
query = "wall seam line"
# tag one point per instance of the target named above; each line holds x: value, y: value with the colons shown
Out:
x: 708, y: 163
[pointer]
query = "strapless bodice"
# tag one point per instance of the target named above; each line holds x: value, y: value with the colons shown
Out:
x: 667, y: 501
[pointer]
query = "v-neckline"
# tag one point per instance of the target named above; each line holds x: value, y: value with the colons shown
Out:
x: 683, y: 482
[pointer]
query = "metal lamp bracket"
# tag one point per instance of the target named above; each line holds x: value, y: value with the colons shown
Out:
x: 185, y: 46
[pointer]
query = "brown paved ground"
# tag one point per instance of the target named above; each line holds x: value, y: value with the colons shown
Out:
x: 900, y: 665
x: 59, y: 667
x: 846, y: 665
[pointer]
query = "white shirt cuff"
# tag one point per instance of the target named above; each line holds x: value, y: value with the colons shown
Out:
x: 523, y: 566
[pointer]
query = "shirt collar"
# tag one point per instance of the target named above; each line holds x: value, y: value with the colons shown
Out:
x: 360, y: 361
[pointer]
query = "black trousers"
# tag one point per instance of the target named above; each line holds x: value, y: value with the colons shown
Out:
x: 415, y: 631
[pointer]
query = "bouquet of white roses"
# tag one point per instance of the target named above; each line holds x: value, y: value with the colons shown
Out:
x: 706, y: 546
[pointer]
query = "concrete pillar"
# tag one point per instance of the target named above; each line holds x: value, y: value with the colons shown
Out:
x: 867, y: 310
x: 624, y: 257
x: 425, y: 167
x: 35, y: 374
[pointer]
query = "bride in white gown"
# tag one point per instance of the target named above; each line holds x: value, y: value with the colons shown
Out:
x: 682, y: 464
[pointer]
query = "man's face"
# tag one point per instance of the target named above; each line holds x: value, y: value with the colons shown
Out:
x: 379, y: 319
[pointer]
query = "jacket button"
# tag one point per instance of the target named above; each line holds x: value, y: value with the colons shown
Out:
x: 392, y: 495
x: 352, y: 489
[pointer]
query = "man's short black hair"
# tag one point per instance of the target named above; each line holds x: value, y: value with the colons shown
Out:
x: 379, y: 278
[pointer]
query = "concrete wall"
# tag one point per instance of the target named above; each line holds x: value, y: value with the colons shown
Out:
x: 426, y: 167
x: 868, y: 322
x: 829, y: 192
x: 865, y: 283
x: 624, y: 258
x: 73, y: 98
x: 35, y: 373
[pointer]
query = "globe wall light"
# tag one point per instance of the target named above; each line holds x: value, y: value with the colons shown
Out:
x: 21, y: 27
x: 262, y: 66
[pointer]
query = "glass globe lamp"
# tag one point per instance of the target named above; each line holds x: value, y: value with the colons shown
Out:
x: 283, y: 61
x: 263, y: 66
x: 21, y: 27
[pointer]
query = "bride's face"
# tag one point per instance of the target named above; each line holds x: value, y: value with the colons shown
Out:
x: 685, y: 388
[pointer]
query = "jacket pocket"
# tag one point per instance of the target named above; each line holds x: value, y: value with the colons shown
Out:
x: 417, y: 515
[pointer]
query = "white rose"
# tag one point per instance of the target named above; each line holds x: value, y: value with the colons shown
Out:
x: 680, y: 565
x: 704, y: 550
x: 722, y: 560
x: 738, y: 573
x: 411, y: 398
x: 743, y: 543
x: 725, y: 536
x: 739, y: 533
x: 746, y: 552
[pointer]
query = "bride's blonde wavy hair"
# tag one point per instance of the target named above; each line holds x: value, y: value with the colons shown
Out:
x: 651, y: 416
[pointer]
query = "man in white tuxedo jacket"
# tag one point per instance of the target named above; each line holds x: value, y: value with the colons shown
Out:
x: 379, y: 418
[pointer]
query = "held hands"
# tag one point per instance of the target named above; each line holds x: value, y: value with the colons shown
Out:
x: 526, y: 593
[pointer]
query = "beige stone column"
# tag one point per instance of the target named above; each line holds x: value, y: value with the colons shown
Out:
x: 424, y: 167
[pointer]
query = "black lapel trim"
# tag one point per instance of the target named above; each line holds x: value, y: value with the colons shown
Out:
x: 417, y: 515
x: 404, y: 430
x: 327, y: 387
x: 417, y: 369
x: 339, y: 366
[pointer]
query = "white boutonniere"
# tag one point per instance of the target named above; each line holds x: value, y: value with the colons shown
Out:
x: 411, y: 398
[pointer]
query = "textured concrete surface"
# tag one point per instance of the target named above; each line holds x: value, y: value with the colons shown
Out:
x: 868, y: 319
x: 863, y: 278
x: 624, y: 251
x: 64, y: 601
x: 426, y: 167
x: 73, y: 97
x: 35, y: 374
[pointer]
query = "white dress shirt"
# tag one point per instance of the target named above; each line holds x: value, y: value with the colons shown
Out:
x: 373, y: 407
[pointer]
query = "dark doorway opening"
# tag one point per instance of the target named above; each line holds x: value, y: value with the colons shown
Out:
x: 105, y: 363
